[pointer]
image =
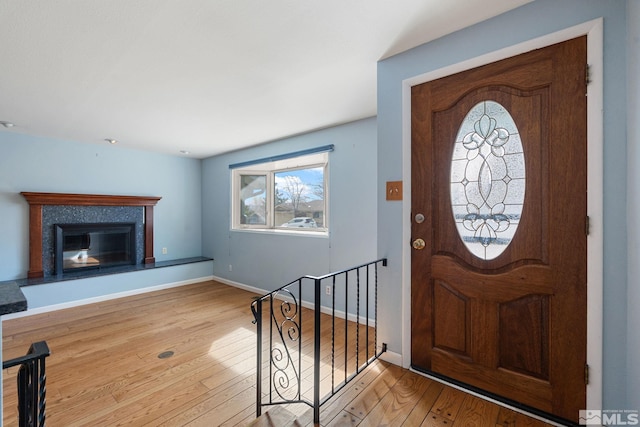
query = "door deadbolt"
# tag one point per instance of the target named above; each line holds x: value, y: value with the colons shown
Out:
x: 418, y: 244
x: 419, y: 218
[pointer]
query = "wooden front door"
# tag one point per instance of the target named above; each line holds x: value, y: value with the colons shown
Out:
x: 499, y: 200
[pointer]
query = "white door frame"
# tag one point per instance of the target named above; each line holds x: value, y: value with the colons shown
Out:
x: 595, y: 252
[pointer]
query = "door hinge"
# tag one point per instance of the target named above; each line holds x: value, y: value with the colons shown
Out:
x: 587, y: 226
x: 587, y: 80
x: 586, y: 374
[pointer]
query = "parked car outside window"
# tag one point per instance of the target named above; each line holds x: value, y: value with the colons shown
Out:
x: 302, y: 221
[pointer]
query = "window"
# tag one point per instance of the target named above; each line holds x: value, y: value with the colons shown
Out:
x: 287, y: 194
x: 487, y: 179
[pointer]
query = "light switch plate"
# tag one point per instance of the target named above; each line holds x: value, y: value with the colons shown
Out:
x: 394, y: 190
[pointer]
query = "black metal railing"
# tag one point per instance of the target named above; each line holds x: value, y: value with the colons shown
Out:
x: 295, y: 367
x: 32, y: 385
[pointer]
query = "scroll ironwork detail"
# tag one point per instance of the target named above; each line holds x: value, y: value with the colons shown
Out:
x: 284, y: 359
x: 285, y: 375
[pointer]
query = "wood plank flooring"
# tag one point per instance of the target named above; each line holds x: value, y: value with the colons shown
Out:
x: 104, y: 370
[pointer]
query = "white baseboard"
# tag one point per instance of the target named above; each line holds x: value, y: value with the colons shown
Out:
x: 392, y: 357
x: 324, y: 309
x: 102, y: 298
x: 240, y: 285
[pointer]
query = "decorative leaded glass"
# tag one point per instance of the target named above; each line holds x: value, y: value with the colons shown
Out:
x: 487, y: 179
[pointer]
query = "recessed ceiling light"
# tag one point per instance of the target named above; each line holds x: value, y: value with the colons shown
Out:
x: 111, y: 141
x: 7, y: 124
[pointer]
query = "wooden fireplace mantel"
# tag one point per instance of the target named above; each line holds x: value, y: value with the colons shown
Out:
x: 37, y: 200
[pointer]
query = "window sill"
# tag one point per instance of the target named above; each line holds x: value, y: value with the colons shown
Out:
x: 283, y: 232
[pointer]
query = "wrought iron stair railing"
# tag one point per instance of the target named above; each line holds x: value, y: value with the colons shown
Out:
x: 292, y: 368
x: 32, y: 385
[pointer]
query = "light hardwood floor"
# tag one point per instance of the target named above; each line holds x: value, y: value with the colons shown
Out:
x: 104, y: 370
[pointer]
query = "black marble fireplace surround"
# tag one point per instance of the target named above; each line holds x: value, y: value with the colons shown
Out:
x: 53, y: 217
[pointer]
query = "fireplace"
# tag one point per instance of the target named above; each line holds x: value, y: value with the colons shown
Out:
x: 84, y: 246
x: 49, y: 209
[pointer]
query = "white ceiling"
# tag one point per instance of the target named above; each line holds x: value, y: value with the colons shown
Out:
x: 206, y: 76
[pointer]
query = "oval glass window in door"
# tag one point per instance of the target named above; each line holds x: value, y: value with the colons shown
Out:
x: 487, y: 180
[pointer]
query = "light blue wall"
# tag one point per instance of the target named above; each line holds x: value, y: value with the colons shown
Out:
x: 633, y: 200
x: 46, y: 165
x: 268, y: 261
x: 535, y: 19
x: 364, y: 226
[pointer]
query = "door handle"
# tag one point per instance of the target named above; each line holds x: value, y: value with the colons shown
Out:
x: 418, y: 244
